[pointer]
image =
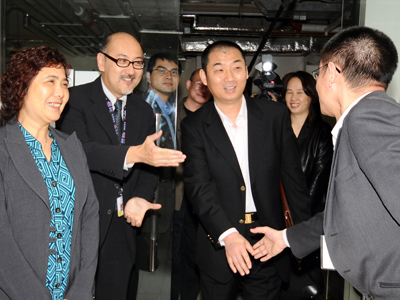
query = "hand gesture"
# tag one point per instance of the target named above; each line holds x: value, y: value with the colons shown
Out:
x: 270, y: 245
x: 136, y: 208
x: 150, y: 154
x: 237, y: 250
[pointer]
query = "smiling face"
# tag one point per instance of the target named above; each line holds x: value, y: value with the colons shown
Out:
x: 197, y: 91
x: 120, y: 81
x: 296, y: 99
x: 46, y: 97
x: 226, y: 74
x: 163, y: 84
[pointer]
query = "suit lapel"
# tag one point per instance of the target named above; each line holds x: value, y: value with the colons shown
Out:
x: 24, y: 163
x: 133, y: 120
x: 101, y: 111
x: 215, y: 130
x: 256, y: 136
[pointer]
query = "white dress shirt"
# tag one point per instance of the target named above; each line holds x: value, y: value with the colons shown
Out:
x: 239, y: 138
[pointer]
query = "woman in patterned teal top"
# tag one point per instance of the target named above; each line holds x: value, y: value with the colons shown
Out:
x: 48, y: 209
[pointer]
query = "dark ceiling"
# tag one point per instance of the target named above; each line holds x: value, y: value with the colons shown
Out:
x: 77, y: 26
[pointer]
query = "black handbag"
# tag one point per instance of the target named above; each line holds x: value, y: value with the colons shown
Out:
x: 306, y: 280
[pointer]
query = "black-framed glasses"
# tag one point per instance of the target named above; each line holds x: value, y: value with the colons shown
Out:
x: 165, y: 71
x: 124, y: 63
x: 315, y: 73
x: 198, y: 83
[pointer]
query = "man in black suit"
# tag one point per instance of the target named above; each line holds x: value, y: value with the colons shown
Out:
x: 237, y: 150
x: 119, y: 145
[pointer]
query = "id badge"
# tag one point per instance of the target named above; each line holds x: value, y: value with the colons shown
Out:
x: 120, y: 206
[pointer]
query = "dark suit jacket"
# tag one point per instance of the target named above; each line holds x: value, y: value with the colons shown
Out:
x: 87, y: 114
x: 216, y: 188
x: 362, y: 212
x: 25, y: 220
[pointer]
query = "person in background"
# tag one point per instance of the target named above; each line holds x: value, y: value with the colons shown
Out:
x: 163, y: 76
x: 312, y: 133
x: 116, y: 129
x: 49, y: 213
x: 361, y: 219
x: 185, y: 280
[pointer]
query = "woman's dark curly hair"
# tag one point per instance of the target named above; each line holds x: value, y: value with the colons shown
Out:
x: 22, y: 69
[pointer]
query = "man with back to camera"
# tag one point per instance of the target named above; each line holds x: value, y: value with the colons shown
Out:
x: 118, y: 158
x: 185, y: 281
x: 237, y: 150
x: 362, y: 211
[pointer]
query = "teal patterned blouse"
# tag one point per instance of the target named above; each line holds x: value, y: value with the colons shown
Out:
x: 61, y: 188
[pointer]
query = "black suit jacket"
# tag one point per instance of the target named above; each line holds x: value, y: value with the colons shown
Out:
x: 216, y: 188
x: 87, y: 113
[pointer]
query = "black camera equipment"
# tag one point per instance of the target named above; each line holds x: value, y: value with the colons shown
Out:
x: 268, y: 81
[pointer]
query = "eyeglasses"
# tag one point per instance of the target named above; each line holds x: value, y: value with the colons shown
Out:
x: 198, y: 83
x: 124, y: 63
x: 315, y: 73
x: 164, y: 71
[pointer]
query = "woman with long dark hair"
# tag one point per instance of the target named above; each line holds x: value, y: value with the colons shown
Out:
x: 313, y: 134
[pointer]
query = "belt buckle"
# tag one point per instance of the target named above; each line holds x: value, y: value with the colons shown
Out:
x: 248, y: 218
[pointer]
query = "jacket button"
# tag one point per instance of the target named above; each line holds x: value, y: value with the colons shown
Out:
x: 109, y: 211
x: 59, y: 235
x: 57, y: 285
x: 241, y: 221
x: 54, y: 184
x: 59, y: 260
x: 116, y: 185
x: 58, y: 210
x: 242, y: 188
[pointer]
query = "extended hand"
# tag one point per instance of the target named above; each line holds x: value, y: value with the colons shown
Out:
x: 136, y: 208
x: 236, y: 250
x: 270, y: 245
x: 150, y: 154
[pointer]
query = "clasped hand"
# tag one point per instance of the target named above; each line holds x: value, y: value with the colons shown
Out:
x: 237, y: 248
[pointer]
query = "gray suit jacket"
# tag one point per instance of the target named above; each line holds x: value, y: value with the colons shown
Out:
x: 362, y: 214
x: 25, y: 219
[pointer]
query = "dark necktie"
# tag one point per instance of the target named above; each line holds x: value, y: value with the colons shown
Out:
x: 117, y: 118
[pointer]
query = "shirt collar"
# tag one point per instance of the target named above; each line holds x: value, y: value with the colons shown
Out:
x: 166, y: 108
x: 242, y: 115
x: 339, y: 123
x: 110, y: 96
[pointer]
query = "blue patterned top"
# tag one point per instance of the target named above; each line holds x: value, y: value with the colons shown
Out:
x: 61, y: 188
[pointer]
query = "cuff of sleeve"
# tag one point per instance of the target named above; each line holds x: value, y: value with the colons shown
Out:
x: 127, y: 166
x: 225, y: 234
x: 284, y: 236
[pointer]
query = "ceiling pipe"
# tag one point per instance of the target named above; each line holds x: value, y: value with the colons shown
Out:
x: 87, y: 18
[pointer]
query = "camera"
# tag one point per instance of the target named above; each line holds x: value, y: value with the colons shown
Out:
x: 268, y: 81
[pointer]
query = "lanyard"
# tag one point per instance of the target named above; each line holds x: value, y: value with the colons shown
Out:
x: 111, y: 110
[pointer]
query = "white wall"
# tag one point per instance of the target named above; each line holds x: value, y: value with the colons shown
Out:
x: 384, y: 16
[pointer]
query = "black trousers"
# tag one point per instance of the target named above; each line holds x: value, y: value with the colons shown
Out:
x: 185, y: 275
x: 116, y: 276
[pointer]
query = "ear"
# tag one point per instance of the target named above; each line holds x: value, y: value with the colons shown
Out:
x: 148, y: 78
x: 333, y: 73
x: 188, y: 84
x: 100, y: 61
x: 203, y: 76
x: 247, y: 73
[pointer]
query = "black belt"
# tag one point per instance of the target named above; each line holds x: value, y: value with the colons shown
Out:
x: 249, y: 218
